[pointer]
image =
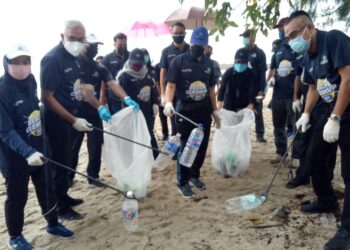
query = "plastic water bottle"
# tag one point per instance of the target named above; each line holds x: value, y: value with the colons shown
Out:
x: 193, y: 143
x: 130, y: 213
x: 170, y: 147
x: 242, y: 203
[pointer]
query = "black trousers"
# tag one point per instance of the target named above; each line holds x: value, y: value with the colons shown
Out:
x: 163, y: 121
x: 281, y: 109
x: 259, y: 121
x: 114, y: 102
x: 94, y: 145
x: 184, y: 174
x: 59, y: 146
x: 150, y: 125
x: 17, y: 195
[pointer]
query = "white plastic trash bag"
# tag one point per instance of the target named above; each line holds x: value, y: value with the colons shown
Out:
x: 231, y: 148
x: 129, y: 163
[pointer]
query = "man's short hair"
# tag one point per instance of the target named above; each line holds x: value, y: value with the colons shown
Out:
x: 120, y: 36
x: 298, y: 13
x: 210, y: 47
x: 72, y: 24
x: 180, y: 24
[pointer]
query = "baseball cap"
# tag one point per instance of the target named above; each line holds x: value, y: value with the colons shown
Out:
x: 241, y: 56
x: 281, y: 22
x: 247, y: 33
x: 91, y: 39
x: 199, y: 36
x: 16, y: 51
x: 137, y: 56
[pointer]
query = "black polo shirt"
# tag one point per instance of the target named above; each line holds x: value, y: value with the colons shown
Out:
x: 193, y: 80
x: 60, y: 73
x: 19, y: 111
x: 321, y: 67
x: 286, y: 66
x: 94, y: 74
x: 257, y: 62
x: 169, y: 53
x: 114, y: 62
x: 142, y: 91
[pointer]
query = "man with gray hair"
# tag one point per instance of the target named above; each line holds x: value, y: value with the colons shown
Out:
x: 61, y: 96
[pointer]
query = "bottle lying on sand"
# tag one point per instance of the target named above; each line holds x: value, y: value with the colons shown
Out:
x: 243, y: 203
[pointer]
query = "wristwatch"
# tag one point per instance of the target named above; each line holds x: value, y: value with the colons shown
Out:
x: 335, y: 117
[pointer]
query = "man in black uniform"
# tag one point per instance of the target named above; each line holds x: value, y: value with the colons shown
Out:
x: 257, y: 62
x: 92, y: 76
x: 61, y: 95
x: 239, y: 85
x: 285, y: 71
x: 191, y: 79
x: 21, y: 148
x: 177, y: 47
x: 114, y: 62
x: 327, y: 71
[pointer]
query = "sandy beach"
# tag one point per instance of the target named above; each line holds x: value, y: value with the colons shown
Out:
x: 167, y: 221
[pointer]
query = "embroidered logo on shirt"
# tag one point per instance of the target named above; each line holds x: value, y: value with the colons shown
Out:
x: 68, y: 70
x: 186, y: 70
x: 19, y: 102
x: 145, y: 94
x: 34, y: 124
x: 326, y: 90
x: 253, y: 55
x: 208, y: 70
x: 95, y: 74
x: 324, y: 60
x: 284, y: 68
x: 197, y: 91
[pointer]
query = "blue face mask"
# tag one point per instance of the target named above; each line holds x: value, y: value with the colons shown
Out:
x: 299, y: 44
x: 246, y: 41
x: 147, y: 58
x: 240, y: 67
x: 281, y: 35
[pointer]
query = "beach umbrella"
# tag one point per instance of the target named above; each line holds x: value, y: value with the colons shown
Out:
x: 191, y: 18
x: 148, y: 29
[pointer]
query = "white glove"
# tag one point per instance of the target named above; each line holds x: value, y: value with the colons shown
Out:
x: 162, y: 100
x: 168, y: 109
x: 155, y: 110
x: 35, y: 159
x: 271, y: 82
x: 331, y: 131
x: 82, y: 125
x: 297, y: 106
x: 303, y: 122
x: 217, y: 119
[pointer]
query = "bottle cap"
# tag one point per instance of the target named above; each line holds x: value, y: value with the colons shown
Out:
x: 200, y: 125
x: 130, y: 194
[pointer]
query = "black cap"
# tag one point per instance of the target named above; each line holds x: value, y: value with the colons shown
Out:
x: 137, y: 56
x: 247, y: 33
x: 241, y: 56
x: 281, y: 23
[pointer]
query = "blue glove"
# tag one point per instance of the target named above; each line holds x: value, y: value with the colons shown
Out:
x: 104, y: 113
x: 130, y: 102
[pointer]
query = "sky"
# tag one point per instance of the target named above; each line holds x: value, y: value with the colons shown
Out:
x: 39, y: 23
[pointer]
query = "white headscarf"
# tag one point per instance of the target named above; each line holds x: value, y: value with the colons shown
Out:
x: 137, y: 74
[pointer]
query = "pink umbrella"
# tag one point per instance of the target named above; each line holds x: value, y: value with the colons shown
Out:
x: 147, y: 29
x: 192, y: 18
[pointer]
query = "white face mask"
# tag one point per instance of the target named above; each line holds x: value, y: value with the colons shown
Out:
x: 74, y: 48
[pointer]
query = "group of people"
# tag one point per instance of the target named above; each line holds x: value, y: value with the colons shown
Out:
x: 78, y: 93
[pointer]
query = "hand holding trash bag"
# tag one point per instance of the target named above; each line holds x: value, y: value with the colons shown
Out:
x: 104, y: 113
x: 35, y: 159
x: 130, y: 102
x: 217, y: 119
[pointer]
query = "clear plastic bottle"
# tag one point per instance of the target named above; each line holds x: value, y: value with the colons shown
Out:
x: 170, y: 147
x: 243, y: 203
x: 130, y: 213
x: 193, y: 143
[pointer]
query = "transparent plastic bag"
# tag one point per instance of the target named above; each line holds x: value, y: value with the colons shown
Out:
x: 130, y: 164
x: 231, y: 148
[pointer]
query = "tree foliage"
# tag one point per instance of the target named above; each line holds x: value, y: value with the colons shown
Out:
x: 264, y: 14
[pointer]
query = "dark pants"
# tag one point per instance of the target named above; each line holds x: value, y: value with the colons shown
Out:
x: 59, y: 141
x: 281, y: 109
x: 150, y: 125
x: 184, y: 174
x: 259, y: 121
x: 114, y: 102
x: 17, y: 195
x: 163, y: 121
x: 94, y: 145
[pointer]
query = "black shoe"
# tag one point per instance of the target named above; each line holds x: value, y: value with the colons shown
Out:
x: 296, y: 182
x: 185, y: 191
x: 69, y: 214
x: 318, y: 207
x: 261, y: 139
x: 74, y: 202
x: 97, y: 184
x: 340, y: 241
x: 198, y: 183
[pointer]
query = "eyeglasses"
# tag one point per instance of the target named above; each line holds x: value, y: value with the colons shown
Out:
x: 296, y: 33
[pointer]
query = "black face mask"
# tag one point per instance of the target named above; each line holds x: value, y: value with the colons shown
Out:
x: 178, y: 39
x: 197, y: 51
x: 91, y: 51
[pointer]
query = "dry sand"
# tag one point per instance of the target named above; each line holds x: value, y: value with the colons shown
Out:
x: 167, y: 221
